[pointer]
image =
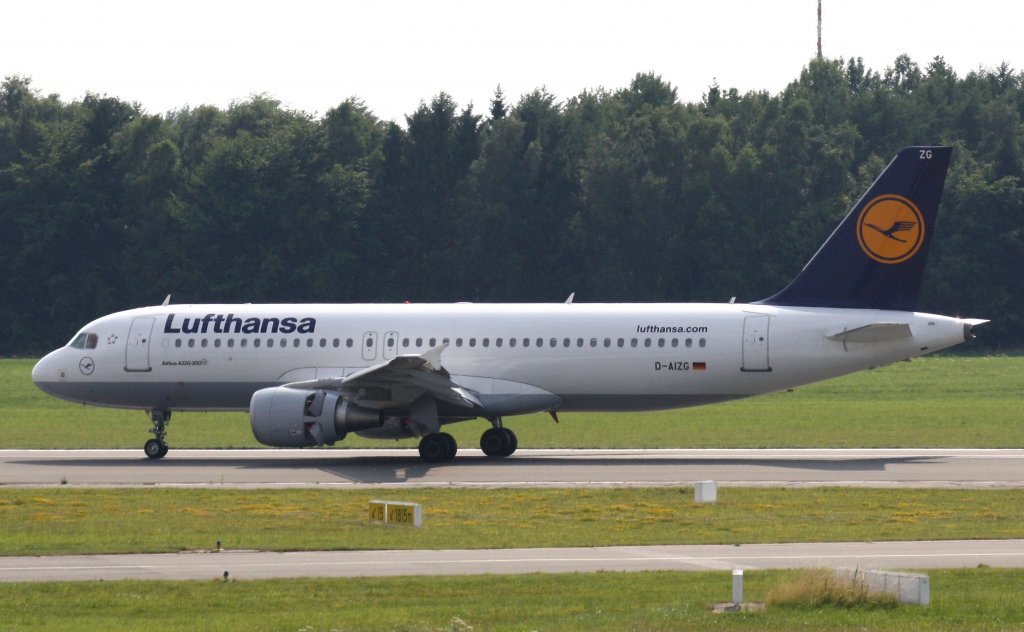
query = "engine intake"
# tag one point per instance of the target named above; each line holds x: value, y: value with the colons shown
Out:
x: 291, y: 418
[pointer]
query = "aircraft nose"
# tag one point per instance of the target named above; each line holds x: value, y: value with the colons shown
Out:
x: 44, y: 373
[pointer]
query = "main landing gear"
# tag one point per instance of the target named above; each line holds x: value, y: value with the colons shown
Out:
x: 498, y: 441
x: 156, y: 448
x: 437, y: 447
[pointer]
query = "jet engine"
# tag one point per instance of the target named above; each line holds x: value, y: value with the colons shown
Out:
x: 292, y: 418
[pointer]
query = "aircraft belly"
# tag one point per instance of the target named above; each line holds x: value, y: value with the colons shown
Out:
x: 159, y: 396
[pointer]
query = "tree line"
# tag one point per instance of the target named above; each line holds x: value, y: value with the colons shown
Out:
x: 616, y: 195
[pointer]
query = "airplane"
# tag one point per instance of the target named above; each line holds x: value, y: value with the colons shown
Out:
x: 309, y: 374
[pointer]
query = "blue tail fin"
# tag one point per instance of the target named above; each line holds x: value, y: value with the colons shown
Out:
x: 875, y: 258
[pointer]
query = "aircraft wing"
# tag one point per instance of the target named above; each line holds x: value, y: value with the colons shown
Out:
x: 401, y: 380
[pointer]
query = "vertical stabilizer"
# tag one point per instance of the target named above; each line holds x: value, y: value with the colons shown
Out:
x: 875, y: 258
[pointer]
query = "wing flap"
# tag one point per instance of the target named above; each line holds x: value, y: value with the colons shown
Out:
x: 405, y: 377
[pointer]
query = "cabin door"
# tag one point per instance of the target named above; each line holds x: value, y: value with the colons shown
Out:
x: 136, y: 355
x: 755, y: 343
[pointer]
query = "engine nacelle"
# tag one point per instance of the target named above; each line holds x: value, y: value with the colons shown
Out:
x: 293, y: 418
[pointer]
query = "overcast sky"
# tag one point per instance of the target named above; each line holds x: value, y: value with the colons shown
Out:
x: 395, y: 53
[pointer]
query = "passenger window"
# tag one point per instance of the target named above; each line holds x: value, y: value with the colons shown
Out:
x: 632, y: 342
x: 620, y: 342
x: 647, y: 342
x: 284, y: 342
x: 472, y: 342
x: 337, y: 343
x: 607, y: 342
x: 497, y: 343
x: 554, y: 342
x: 675, y: 342
x: 323, y: 342
x: 419, y: 342
x: 661, y: 342
x: 433, y: 342
x: 511, y: 342
x: 309, y: 342
x: 593, y: 342
x: 486, y: 342
x: 540, y: 342
x: 689, y: 342
x: 566, y: 342
x: 270, y: 342
x: 526, y: 342
x: 231, y: 343
x: 243, y: 343
x: 348, y: 343
x: 703, y: 343
x: 458, y: 342
x: 255, y: 343
x: 295, y: 343
x: 405, y: 342
x: 216, y: 342
x: 177, y: 343
x: 579, y: 342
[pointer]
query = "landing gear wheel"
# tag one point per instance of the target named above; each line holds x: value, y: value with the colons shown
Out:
x: 493, y: 441
x: 437, y: 447
x: 453, y: 447
x: 155, y: 449
x: 498, y: 442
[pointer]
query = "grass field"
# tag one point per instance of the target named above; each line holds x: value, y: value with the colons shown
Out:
x: 931, y: 402
x: 65, y: 520
x: 981, y: 599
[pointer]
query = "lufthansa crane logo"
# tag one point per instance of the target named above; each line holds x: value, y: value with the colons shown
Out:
x: 86, y: 366
x: 890, y: 229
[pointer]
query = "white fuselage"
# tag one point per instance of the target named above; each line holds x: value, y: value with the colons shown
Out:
x: 518, y: 357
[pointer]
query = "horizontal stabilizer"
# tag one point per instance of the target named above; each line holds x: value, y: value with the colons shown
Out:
x: 875, y: 332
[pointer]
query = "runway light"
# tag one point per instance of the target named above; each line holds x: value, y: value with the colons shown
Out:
x: 225, y: 575
x: 219, y: 549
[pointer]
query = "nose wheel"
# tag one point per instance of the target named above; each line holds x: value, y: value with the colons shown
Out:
x: 156, y: 448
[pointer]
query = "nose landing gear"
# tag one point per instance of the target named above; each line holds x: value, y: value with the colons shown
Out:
x: 156, y: 448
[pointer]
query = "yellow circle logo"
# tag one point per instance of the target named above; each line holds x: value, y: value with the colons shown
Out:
x: 890, y: 229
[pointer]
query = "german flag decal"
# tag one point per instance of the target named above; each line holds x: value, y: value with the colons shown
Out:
x: 700, y: 366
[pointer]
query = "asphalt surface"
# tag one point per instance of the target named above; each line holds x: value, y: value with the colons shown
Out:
x: 402, y: 468
x: 250, y: 565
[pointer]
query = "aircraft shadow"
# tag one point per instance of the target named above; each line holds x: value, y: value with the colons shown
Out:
x: 525, y: 469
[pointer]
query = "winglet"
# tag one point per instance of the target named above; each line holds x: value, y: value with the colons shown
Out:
x: 875, y: 258
x: 572, y: 295
x: 167, y: 301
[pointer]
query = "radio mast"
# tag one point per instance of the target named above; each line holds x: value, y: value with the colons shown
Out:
x: 819, y: 29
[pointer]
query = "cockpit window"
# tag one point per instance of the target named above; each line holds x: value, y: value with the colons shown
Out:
x: 84, y: 341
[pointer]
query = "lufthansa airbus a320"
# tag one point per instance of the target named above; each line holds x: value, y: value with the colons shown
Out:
x: 310, y: 374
